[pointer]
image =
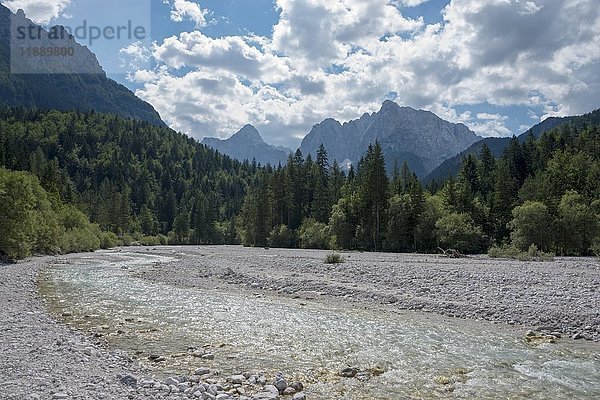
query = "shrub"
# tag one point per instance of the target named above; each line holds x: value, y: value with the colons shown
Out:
x: 79, y: 240
x: 596, y: 247
x: 334, y: 258
x: 23, y: 205
x: 163, y: 240
x: 108, y: 240
x: 512, y: 252
x: 459, y: 232
x: 126, y: 240
x: 282, y: 236
x: 313, y: 234
x: 149, y: 241
x: 158, y: 240
x: 531, y: 225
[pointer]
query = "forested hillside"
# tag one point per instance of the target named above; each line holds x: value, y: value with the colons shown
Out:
x: 544, y: 192
x: 129, y: 177
x: 67, y: 91
x: 152, y: 185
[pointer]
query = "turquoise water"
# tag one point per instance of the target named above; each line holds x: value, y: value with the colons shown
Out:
x: 415, y: 355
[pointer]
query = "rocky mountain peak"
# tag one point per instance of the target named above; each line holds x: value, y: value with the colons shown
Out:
x: 248, y: 132
x: 247, y: 144
x: 419, y: 137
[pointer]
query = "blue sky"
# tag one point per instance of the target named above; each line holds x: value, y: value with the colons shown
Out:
x: 212, y: 66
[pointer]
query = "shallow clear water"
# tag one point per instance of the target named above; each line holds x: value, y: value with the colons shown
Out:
x: 423, y: 356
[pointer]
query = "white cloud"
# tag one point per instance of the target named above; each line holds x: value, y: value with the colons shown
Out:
x: 341, y: 58
x: 411, y: 3
x: 135, y: 56
x: 40, y: 11
x: 234, y: 54
x: 188, y: 10
x: 321, y: 32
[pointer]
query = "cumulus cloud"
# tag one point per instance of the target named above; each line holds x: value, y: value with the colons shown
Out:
x: 234, y: 54
x: 135, y: 56
x: 40, y: 11
x: 188, y: 10
x: 321, y: 32
x: 341, y: 58
x: 411, y: 3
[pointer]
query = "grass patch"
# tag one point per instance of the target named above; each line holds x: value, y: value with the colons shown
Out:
x: 334, y: 258
x: 514, y: 253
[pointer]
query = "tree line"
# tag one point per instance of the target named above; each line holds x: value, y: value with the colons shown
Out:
x: 128, y: 182
x: 141, y: 182
x: 543, y: 192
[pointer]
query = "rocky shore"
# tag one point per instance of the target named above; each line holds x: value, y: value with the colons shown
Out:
x: 561, y: 297
x: 44, y: 359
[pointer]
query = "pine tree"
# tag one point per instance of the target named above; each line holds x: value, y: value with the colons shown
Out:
x: 504, y: 199
x: 374, y: 194
x: 321, y: 207
x: 336, y: 182
x: 486, y: 171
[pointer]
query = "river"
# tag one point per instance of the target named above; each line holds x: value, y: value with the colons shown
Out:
x: 403, y: 355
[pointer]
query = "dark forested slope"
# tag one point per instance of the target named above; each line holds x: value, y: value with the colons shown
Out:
x: 69, y: 91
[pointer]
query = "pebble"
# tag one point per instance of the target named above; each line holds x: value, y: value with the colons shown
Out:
x: 202, y: 371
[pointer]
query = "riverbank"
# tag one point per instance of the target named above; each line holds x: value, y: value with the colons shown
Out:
x: 561, y: 297
x: 41, y: 358
x: 45, y: 359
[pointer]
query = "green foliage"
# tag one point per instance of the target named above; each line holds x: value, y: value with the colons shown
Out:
x: 31, y: 223
x: 158, y: 240
x: 79, y: 235
x: 342, y: 224
x: 21, y: 205
x: 108, y: 240
x: 151, y: 185
x: 282, y: 236
x: 531, y: 225
x: 313, y: 234
x: 596, y: 247
x: 578, y: 224
x: 512, y: 252
x: 126, y: 240
x: 80, y: 240
x: 425, y: 231
x: 125, y: 175
x: 334, y: 258
x: 458, y: 231
x: 373, y: 197
x: 254, y: 221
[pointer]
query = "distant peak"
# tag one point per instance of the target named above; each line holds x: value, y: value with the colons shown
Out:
x: 389, y: 104
x: 329, y: 122
x: 250, y: 132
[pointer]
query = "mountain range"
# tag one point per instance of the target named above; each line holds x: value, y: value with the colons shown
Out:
x: 87, y: 88
x: 247, y: 144
x: 451, y: 166
x: 432, y: 147
x: 419, y: 137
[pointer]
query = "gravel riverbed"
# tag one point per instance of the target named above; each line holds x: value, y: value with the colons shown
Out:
x: 560, y: 297
x: 44, y: 359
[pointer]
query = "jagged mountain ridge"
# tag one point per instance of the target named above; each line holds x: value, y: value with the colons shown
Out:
x: 247, y: 144
x: 416, y: 136
x: 451, y: 166
x: 89, y: 91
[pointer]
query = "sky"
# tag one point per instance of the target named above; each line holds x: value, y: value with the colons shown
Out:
x: 211, y: 66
